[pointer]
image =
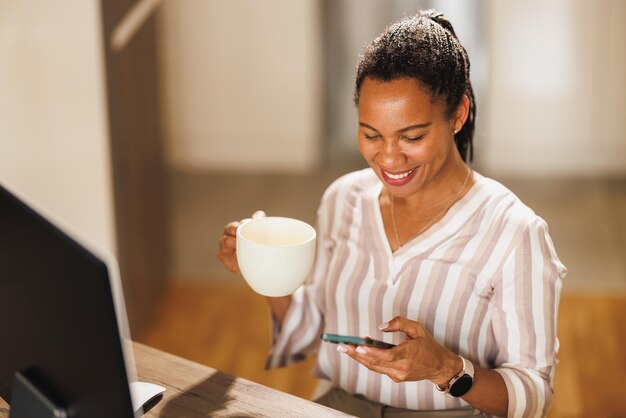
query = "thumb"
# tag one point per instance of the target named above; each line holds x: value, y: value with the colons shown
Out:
x: 258, y: 214
x: 412, y: 329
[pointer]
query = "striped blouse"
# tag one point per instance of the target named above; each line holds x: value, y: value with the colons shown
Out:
x: 484, y: 281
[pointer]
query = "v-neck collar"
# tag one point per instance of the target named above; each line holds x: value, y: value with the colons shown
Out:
x: 437, y: 230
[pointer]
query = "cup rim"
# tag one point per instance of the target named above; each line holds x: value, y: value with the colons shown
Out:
x: 242, y: 226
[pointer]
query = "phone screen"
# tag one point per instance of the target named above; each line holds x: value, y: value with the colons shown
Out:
x: 345, y: 339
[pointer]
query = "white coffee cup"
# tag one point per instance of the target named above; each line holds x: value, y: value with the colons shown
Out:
x: 275, y: 254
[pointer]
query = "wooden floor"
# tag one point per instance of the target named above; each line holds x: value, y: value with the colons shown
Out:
x: 227, y: 327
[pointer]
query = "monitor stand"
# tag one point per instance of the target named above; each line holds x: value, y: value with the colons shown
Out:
x: 27, y: 401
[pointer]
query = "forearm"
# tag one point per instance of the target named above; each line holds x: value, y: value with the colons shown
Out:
x: 279, y: 306
x: 296, y: 330
x: 488, y: 393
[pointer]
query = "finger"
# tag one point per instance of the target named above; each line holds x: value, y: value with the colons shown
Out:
x: 228, y: 242
x: 391, y: 362
x: 371, y: 363
x: 229, y: 264
x: 411, y: 328
x: 231, y: 228
x: 232, y: 267
x: 229, y: 260
x: 370, y: 354
x: 258, y: 214
x: 345, y: 348
x: 377, y: 355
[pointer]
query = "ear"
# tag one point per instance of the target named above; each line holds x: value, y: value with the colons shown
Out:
x: 461, y: 113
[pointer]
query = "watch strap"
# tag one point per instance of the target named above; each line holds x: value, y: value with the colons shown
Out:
x: 460, y: 383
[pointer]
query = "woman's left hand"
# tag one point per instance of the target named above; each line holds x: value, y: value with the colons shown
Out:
x: 420, y: 357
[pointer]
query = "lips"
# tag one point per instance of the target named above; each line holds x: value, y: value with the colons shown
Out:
x: 398, y: 178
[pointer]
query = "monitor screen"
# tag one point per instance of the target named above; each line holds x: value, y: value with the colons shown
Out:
x: 58, y: 318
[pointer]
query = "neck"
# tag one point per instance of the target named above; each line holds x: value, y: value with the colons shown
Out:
x: 424, y: 225
x: 441, y: 187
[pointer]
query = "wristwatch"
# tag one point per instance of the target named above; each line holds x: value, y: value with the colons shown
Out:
x: 461, y: 383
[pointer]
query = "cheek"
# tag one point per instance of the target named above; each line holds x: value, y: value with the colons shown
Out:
x: 426, y: 151
x: 422, y: 152
x: 366, y: 148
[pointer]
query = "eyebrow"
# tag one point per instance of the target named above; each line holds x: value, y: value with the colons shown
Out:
x: 408, y: 128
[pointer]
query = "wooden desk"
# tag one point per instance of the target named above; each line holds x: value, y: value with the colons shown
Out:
x: 193, y: 390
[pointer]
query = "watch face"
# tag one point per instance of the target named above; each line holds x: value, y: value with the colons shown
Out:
x: 461, y: 386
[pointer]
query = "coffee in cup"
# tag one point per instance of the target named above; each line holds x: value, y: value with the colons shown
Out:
x: 275, y: 254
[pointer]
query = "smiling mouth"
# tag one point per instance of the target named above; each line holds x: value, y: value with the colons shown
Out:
x: 398, y: 176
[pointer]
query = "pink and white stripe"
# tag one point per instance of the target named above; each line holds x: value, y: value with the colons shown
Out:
x: 484, y: 280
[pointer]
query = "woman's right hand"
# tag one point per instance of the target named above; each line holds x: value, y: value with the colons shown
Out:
x: 227, y: 252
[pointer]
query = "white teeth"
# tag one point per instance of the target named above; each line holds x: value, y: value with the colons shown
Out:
x: 399, y: 176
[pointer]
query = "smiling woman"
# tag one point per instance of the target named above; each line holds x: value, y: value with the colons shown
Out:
x: 422, y: 252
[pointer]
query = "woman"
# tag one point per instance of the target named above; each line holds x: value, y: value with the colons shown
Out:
x: 423, y: 252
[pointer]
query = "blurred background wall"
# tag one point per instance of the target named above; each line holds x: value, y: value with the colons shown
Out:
x: 80, y: 133
x: 556, y: 85
x: 54, y: 135
x: 242, y: 84
x: 547, y: 75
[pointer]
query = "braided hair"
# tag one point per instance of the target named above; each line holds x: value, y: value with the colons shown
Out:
x: 426, y: 48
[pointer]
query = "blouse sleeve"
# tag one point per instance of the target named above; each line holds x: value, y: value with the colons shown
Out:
x: 525, y: 318
x: 299, y: 334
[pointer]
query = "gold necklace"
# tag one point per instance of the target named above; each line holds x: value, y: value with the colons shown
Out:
x: 393, y: 213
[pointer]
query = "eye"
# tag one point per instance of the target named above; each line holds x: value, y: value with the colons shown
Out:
x: 413, y: 138
x: 371, y: 136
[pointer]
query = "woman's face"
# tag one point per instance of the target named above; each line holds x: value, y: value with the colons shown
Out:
x: 405, y: 136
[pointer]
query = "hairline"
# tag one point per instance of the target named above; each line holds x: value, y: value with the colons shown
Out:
x: 434, y: 97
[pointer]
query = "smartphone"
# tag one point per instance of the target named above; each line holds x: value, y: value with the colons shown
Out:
x: 334, y: 338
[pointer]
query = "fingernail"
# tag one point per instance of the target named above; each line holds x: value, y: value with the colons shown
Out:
x: 361, y: 350
x: 383, y: 326
x: 342, y: 348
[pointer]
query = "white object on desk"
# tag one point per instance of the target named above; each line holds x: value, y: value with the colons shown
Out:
x: 143, y: 392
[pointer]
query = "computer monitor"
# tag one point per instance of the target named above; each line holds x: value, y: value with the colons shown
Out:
x: 61, y: 313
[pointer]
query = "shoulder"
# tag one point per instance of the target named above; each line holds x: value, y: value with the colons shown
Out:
x: 351, y: 184
x: 520, y: 225
x: 502, y: 205
x: 345, y: 196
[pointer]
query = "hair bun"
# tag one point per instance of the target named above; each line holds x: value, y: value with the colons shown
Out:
x: 438, y: 17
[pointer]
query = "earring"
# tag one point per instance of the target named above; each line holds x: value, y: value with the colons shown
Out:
x: 456, y: 131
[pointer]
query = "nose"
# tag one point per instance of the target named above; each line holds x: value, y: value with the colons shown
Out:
x: 391, y: 154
